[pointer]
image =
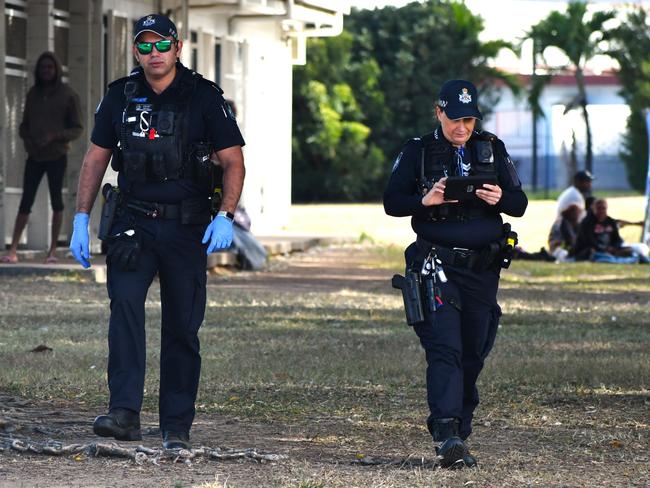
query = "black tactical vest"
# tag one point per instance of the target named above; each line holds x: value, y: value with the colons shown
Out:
x: 437, y: 161
x: 153, y: 136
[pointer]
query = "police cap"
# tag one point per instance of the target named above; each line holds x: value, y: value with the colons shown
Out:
x: 459, y: 99
x: 156, y: 23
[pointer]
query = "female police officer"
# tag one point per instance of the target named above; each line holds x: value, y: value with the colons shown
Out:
x: 457, y: 256
x: 160, y: 125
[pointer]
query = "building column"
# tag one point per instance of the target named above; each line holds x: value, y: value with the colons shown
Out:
x: 40, y: 38
x: 3, y: 126
x: 85, y: 44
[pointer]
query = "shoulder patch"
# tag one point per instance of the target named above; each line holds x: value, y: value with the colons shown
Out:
x: 396, y: 163
x: 228, y: 112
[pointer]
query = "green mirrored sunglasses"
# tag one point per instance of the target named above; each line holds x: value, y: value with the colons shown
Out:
x: 161, y: 46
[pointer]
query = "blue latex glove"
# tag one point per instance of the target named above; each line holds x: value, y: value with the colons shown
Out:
x: 79, y: 243
x: 218, y: 234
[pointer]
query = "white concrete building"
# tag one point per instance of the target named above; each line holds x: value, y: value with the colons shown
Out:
x: 246, y: 46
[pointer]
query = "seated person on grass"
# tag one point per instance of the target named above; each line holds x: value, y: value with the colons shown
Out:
x: 564, y: 231
x: 598, y: 239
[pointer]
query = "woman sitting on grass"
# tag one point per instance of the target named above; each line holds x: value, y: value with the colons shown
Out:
x: 598, y: 239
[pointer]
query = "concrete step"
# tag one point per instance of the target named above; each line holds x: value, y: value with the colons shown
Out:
x: 32, y: 262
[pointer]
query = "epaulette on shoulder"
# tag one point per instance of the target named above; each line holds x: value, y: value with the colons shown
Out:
x: 484, y: 135
x: 135, y: 73
x: 428, y: 138
x: 413, y: 141
x: 200, y: 79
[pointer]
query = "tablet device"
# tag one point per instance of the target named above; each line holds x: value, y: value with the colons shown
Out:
x: 464, y: 187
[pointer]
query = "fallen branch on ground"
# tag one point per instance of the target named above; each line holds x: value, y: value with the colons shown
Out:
x: 139, y: 454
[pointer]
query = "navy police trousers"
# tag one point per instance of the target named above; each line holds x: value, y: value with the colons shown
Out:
x: 175, y: 253
x: 457, y: 342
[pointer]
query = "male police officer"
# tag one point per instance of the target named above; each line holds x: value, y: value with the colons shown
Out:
x: 161, y: 125
x: 454, y: 264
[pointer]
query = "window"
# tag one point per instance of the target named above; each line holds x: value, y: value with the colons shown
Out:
x: 16, y: 86
x: 61, y: 23
x: 15, y: 32
x: 194, y: 50
x: 217, y: 60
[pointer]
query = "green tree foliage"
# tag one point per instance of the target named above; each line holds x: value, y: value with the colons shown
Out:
x: 418, y: 47
x: 578, y: 37
x: 630, y: 46
x: 366, y: 92
x: 332, y: 156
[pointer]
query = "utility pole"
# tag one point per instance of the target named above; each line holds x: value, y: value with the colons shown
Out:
x: 534, y: 112
x: 645, y: 235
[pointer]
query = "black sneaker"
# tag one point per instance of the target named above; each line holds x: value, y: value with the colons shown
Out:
x: 176, y: 440
x: 120, y: 423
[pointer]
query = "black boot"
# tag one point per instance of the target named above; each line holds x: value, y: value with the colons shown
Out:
x: 470, y: 461
x: 452, y: 449
x: 120, y: 423
x: 176, y: 440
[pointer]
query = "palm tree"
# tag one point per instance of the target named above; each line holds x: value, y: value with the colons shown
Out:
x: 578, y: 39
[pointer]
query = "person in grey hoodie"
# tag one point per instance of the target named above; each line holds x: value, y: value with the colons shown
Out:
x: 51, y: 119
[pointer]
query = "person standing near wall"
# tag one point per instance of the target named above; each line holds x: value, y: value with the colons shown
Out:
x: 51, y: 119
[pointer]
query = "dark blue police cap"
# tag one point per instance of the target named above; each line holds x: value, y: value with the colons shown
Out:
x: 156, y: 23
x: 459, y: 99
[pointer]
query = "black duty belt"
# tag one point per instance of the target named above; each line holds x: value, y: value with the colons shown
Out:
x: 154, y: 210
x: 451, y: 256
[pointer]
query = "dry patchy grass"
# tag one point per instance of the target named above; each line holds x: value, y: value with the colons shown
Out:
x: 313, y: 359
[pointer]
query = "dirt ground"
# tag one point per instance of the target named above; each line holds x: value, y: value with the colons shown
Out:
x: 325, y: 451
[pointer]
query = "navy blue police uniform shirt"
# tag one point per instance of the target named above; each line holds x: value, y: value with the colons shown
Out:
x: 211, y: 120
x: 403, y: 198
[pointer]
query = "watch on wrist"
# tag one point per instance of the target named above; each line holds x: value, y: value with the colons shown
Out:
x: 230, y: 216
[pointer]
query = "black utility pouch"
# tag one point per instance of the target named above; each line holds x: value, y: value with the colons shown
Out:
x: 135, y: 166
x: 124, y: 250
x: 201, y: 166
x: 410, y: 286
x: 111, y: 201
x: 195, y: 210
x: 158, y: 169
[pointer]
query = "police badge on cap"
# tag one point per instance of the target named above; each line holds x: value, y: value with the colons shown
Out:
x: 156, y: 23
x: 459, y: 99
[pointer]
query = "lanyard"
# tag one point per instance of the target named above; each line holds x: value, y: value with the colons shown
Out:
x: 462, y: 168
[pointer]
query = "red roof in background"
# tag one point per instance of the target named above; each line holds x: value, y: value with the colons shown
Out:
x: 568, y: 79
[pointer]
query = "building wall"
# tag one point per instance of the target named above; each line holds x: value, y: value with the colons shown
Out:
x: 267, y: 101
x: 511, y: 120
x: 249, y: 54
